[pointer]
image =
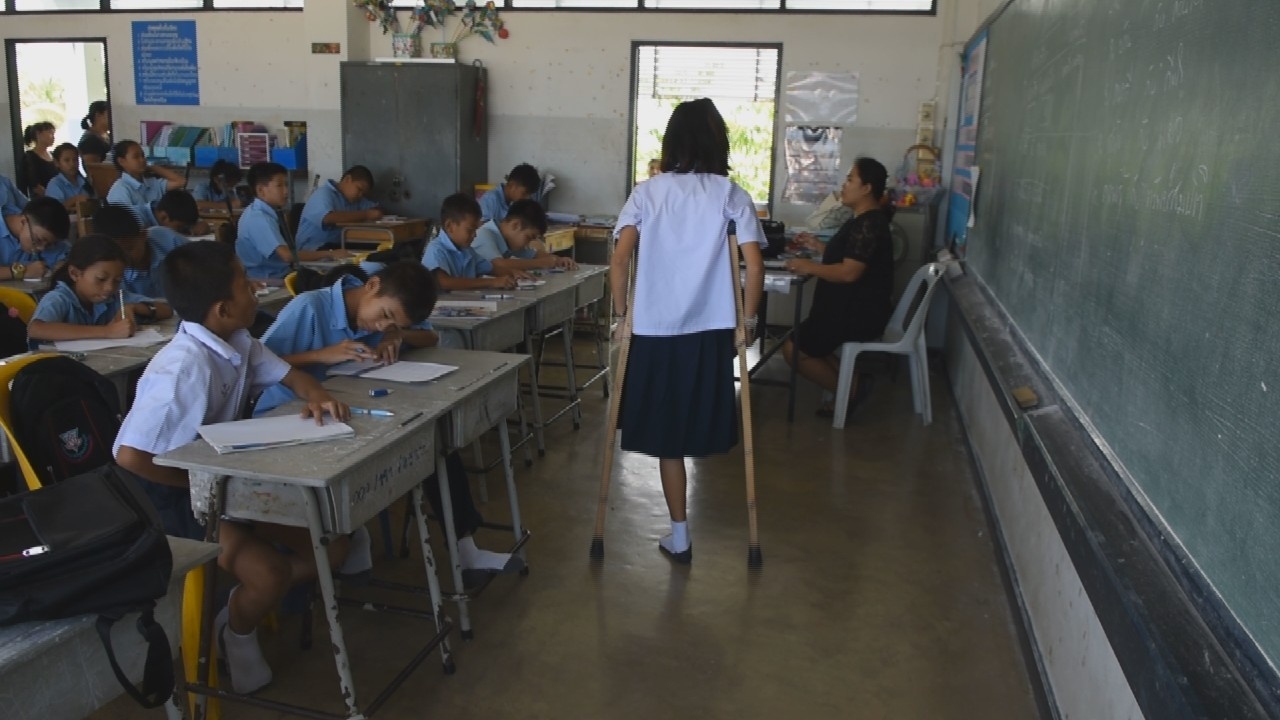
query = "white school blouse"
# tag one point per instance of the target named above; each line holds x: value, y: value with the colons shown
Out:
x: 683, y: 280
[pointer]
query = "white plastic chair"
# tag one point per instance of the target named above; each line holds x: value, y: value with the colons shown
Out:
x: 902, y: 337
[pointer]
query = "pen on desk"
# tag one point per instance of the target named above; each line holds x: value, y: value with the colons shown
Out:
x: 498, y: 297
x: 120, y: 294
x: 374, y: 412
x: 411, y: 418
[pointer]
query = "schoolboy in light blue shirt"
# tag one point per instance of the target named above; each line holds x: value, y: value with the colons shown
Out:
x: 220, y: 188
x: 136, y: 188
x: 207, y: 374
x: 522, y: 184
x: 509, y: 243
x: 352, y: 320
x: 176, y: 214
x: 12, y: 201
x: 68, y: 186
x: 450, y: 257
x: 260, y: 241
x: 30, y: 241
x: 332, y: 203
x: 61, y: 305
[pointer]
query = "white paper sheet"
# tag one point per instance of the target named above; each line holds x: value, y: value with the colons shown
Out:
x: 142, y: 338
x: 271, y: 432
x: 528, y: 284
x: 409, y: 372
x: 353, y: 367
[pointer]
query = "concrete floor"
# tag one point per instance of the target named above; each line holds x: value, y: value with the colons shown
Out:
x: 880, y: 595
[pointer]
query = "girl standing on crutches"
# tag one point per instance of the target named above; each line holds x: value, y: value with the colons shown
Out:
x: 677, y: 396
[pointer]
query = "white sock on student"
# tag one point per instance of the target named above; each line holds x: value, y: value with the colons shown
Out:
x: 678, y: 540
x: 360, y: 555
x: 249, y: 669
x: 473, y: 558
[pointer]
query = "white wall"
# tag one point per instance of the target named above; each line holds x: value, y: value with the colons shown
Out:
x: 558, y: 89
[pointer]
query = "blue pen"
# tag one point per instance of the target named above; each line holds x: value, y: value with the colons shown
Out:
x: 374, y: 412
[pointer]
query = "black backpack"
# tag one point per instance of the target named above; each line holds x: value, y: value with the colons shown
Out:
x: 89, y: 544
x: 65, y: 418
x: 13, y: 332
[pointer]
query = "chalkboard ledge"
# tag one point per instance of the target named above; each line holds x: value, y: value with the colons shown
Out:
x: 1182, y: 651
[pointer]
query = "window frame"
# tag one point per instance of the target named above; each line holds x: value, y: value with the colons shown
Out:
x: 9, y: 7
x: 629, y: 181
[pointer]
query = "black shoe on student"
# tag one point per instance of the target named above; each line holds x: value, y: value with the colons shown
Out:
x: 683, y: 558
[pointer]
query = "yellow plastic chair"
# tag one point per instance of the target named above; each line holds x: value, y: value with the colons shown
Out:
x: 289, y: 282
x: 20, y: 301
x: 8, y: 369
x: 385, y: 246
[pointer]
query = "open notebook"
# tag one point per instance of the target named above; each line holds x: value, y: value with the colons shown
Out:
x: 271, y: 432
x: 142, y: 338
x: 403, y: 371
x: 464, y: 309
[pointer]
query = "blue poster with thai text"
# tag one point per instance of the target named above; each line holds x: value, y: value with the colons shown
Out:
x: 165, y: 69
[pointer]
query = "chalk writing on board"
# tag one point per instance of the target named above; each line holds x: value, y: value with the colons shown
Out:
x: 165, y: 66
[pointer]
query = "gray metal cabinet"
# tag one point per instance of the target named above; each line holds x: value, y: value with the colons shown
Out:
x: 413, y: 125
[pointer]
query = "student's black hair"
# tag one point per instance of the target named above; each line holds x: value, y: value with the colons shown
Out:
x: 411, y: 283
x: 85, y: 252
x: 64, y: 147
x: 360, y: 174
x: 696, y: 140
x: 121, y: 149
x: 872, y: 172
x: 227, y: 171
x: 530, y: 213
x: 33, y: 130
x: 96, y: 108
x: 263, y: 173
x: 526, y: 176
x: 49, y: 214
x: 116, y: 222
x: 458, y: 207
x: 197, y: 276
x: 179, y: 205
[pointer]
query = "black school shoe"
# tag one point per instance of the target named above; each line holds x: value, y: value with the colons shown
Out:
x: 683, y: 558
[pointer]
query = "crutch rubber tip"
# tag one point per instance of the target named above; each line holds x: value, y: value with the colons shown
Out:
x: 755, y: 559
x: 450, y: 668
x: 468, y: 634
x: 597, y: 549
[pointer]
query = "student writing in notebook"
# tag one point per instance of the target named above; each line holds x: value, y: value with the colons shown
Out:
x: 334, y: 203
x: 69, y: 187
x: 145, y: 251
x: 206, y: 375
x: 354, y: 320
x: 85, y: 301
x: 522, y: 183
x: 450, y: 257
x: 31, y: 241
x: 260, y: 239
x: 513, y: 241
x: 140, y: 185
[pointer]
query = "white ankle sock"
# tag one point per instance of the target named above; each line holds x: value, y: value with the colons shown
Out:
x: 678, y: 540
x: 360, y: 555
x: 249, y: 670
x: 473, y: 558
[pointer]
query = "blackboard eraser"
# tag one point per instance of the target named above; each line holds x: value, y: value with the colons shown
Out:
x: 1025, y: 397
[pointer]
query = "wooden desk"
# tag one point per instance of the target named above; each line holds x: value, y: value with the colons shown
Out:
x: 220, y: 216
x: 34, y: 288
x: 559, y: 238
x: 374, y: 233
x: 330, y: 489
x: 58, y: 668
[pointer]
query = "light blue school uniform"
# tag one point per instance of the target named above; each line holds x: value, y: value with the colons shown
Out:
x: 313, y: 233
x: 61, y: 305
x: 11, y: 250
x: 138, y: 196
x: 62, y: 189
x: 205, y: 192
x: 493, y: 204
x: 442, y: 254
x: 162, y: 241
x: 197, y: 379
x: 490, y: 244
x: 12, y: 201
x: 258, y: 237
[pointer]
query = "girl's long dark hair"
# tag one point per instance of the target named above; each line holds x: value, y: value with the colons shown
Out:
x: 873, y: 173
x: 85, y: 252
x: 96, y: 108
x: 696, y: 140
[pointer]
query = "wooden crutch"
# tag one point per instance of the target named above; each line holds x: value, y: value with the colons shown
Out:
x: 615, y: 401
x: 755, y: 559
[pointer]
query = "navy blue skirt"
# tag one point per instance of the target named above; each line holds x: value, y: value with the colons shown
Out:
x: 678, y: 399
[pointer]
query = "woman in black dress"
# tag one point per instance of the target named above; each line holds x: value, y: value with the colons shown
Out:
x: 853, y: 299
x: 95, y: 144
x: 38, y: 167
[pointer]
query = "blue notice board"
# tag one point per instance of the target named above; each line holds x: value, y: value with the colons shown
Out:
x: 165, y: 71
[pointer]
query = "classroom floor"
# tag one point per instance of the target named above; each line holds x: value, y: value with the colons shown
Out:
x: 880, y: 595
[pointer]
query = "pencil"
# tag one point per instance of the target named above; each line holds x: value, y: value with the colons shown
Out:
x: 120, y: 292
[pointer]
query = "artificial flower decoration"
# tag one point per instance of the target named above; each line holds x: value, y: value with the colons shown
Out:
x: 381, y: 12
x: 477, y: 19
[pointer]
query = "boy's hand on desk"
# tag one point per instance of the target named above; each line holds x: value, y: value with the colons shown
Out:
x: 36, y: 269
x: 521, y: 275
x: 373, y: 214
x: 344, y: 351
x: 388, y: 351
x: 505, y: 282
x: 566, y: 263
x: 122, y: 327
x: 326, y: 404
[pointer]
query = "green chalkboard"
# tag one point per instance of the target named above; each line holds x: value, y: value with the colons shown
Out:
x: 1128, y: 222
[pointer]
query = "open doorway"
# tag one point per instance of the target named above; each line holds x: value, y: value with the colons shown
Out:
x: 53, y: 80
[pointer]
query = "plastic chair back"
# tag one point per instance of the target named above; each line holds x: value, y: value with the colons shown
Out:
x: 102, y: 176
x: 8, y: 369
x: 23, y: 303
x: 904, y: 323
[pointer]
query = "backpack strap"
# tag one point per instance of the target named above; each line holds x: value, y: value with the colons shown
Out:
x: 157, y: 672
x: 288, y: 240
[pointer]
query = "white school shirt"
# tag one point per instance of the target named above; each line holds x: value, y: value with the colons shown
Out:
x: 197, y: 379
x: 683, y: 281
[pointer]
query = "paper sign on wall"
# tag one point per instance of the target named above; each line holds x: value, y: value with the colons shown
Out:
x: 813, y: 163
x: 165, y: 67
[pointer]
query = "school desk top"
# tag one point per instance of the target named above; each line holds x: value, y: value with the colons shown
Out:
x: 500, y: 331
x: 396, y: 231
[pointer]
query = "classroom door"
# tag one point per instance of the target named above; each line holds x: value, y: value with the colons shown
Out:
x: 53, y: 81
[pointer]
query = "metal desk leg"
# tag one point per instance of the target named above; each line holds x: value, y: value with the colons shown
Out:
x: 795, y: 343
x: 567, y: 332
x: 536, y: 398
x: 477, y: 454
x: 433, y: 583
x: 524, y: 429
x: 329, y: 596
x: 504, y: 442
x: 451, y: 541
